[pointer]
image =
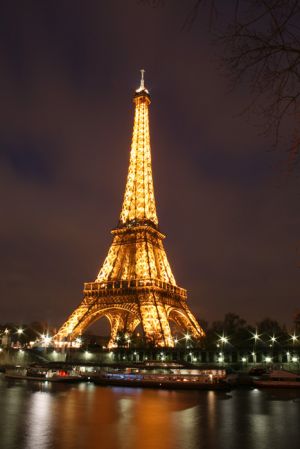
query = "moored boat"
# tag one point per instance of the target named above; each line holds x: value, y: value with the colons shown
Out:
x: 43, y: 375
x: 278, y: 379
x: 167, y: 381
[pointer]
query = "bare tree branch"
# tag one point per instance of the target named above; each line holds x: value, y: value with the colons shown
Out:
x: 262, y: 48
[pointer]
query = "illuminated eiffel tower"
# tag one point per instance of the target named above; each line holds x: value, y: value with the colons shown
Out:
x: 135, y: 284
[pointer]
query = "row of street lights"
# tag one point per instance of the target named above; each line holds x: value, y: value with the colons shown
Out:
x: 46, y: 340
x: 257, y: 337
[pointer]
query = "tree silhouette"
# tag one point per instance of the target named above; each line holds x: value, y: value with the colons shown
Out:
x: 262, y: 49
x: 269, y: 328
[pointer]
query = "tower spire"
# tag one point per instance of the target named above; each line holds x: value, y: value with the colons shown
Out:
x: 139, y: 202
x: 142, y: 85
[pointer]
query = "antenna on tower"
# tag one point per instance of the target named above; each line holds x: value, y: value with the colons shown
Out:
x: 142, y: 87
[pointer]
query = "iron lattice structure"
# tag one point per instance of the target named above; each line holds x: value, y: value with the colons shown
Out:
x: 135, y: 284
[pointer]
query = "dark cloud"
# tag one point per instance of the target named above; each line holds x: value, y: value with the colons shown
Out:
x: 66, y: 78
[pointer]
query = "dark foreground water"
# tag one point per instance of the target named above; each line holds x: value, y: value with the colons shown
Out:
x: 51, y: 416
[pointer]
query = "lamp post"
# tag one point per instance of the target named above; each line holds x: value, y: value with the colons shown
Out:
x: 223, y: 340
x: 294, y: 338
x: 19, y: 332
x: 187, y: 339
x: 256, y: 338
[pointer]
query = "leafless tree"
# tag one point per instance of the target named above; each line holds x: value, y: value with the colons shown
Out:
x: 262, y: 48
x: 263, y: 44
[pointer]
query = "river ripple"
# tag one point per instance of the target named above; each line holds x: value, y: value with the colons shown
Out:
x: 84, y: 416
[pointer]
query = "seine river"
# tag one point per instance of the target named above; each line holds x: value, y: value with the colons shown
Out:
x: 84, y: 416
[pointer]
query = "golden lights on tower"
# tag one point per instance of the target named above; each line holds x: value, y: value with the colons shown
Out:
x: 139, y: 202
x: 135, y: 284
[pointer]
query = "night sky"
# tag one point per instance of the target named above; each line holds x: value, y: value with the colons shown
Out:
x: 67, y: 74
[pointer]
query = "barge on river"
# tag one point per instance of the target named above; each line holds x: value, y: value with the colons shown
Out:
x: 168, y: 381
x: 278, y: 379
x: 43, y: 375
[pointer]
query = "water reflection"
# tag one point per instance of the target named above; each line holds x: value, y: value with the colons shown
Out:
x: 283, y: 395
x: 12, y: 409
x: 51, y: 416
x: 38, y: 421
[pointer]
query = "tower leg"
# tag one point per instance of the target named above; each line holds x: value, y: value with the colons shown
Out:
x: 186, y: 321
x: 72, y: 328
x: 155, y: 321
x: 196, y: 330
x: 117, y: 325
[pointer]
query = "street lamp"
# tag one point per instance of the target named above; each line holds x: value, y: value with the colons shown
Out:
x: 294, y: 338
x: 273, y: 339
x: 19, y: 332
x: 187, y: 339
x: 46, y: 339
x: 224, y: 339
x: 256, y: 336
x: 78, y: 341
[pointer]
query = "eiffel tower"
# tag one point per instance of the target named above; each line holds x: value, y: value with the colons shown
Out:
x: 135, y: 284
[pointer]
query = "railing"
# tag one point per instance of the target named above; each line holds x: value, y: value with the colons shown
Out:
x: 141, y: 284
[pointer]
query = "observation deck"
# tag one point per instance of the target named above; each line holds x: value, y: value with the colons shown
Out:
x: 134, y: 286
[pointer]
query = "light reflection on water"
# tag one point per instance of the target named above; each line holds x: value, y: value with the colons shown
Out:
x: 39, y: 420
x: 51, y: 416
